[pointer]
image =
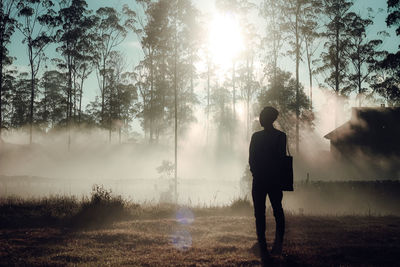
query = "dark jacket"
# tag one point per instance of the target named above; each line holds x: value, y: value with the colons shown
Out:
x: 267, y: 149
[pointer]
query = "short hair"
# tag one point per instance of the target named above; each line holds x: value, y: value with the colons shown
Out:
x: 268, y: 115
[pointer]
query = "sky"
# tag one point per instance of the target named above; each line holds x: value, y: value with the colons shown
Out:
x: 133, y: 54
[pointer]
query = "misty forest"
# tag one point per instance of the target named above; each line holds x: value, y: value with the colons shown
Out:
x: 125, y: 126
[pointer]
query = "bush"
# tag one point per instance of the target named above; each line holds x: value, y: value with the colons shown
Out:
x: 102, y: 209
x: 241, y: 204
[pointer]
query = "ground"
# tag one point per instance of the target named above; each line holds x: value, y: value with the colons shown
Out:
x: 208, y: 240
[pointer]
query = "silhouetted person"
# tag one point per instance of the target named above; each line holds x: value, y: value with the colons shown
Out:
x: 267, y: 149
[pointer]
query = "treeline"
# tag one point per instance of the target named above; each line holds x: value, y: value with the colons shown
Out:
x: 329, y: 38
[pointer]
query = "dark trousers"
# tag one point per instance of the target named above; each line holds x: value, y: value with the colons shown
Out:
x: 259, y: 193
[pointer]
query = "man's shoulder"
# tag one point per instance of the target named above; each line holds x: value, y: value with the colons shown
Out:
x: 261, y: 133
x: 257, y: 134
x: 280, y: 132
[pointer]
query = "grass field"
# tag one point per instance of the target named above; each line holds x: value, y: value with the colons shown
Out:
x: 212, y: 237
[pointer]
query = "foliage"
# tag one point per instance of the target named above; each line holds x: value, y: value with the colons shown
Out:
x: 241, y: 205
x: 386, y: 81
x: 166, y: 167
x: 281, y: 94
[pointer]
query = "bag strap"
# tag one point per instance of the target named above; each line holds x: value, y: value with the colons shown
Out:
x: 287, y: 148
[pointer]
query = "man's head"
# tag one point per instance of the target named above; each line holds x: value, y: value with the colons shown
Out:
x: 267, y: 116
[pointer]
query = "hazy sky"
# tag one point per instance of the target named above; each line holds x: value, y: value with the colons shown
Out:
x: 132, y: 51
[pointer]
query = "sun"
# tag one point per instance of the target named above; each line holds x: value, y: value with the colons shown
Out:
x: 225, y: 41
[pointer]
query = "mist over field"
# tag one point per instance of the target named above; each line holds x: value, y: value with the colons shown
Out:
x: 130, y: 131
x: 211, y: 172
x: 119, y: 104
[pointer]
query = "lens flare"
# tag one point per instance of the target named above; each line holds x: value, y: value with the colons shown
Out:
x: 185, y: 216
x: 181, y: 239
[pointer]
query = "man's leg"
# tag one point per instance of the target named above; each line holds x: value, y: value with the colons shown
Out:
x: 259, y: 195
x: 275, y: 198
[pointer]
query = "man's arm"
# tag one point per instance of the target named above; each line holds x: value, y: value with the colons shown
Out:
x: 251, y: 154
x: 282, y: 148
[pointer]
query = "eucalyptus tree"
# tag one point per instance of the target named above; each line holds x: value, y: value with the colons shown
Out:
x: 72, y: 37
x: 182, y: 18
x: 334, y: 64
x: 121, y: 94
x: 147, y: 22
x: 222, y: 114
x: 282, y: 94
x: 8, y: 89
x: 310, y: 32
x: 83, y: 65
x: 293, y: 21
x: 37, y: 21
x: 247, y: 71
x: 393, y: 18
x: 8, y: 10
x: 300, y: 22
x: 53, y: 86
x: 272, y: 42
x: 21, y: 101
x: 387, y: 80
x: 362, y: 53
x: 110, y: 33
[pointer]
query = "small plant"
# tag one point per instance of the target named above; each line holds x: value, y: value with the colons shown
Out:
x: 102, y: 209
x: 166, y: 168
x: 241, y: 204
x: 100, y: 194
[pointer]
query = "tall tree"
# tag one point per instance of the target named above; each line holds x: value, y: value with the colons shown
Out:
x: 20, y: 100
x: 293, y: 21
x: 8, y: 88
x: 222, y: 114
x: 52, y: 106
x: 387, y: 80
x: 72, y: 37
x: 271, y: 12
x: 7, y: 25
x: 362, y: 54
x: 182, y: 18
x: 247, y: 80
x: 110, y: 33
x: 311, y: 36
x: 334, y: 64
x: 282, y: 94
x: 37, y: 23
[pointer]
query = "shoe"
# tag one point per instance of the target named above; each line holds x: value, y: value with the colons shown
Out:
x: 277, y: 248
x: 266, y: 259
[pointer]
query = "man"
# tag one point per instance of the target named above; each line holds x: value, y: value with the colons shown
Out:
x: 267, y: 149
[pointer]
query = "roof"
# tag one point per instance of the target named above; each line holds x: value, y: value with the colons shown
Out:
x: 366, y: 118
x: 338, y: 131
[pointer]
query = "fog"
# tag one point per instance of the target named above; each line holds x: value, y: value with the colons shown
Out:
x: 210, y: 168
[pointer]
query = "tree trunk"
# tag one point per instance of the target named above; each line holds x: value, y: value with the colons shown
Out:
x: 233, y: 90
x: 208, y: 99
x: 1, y: 83
x: 103, y: 91
x: 151, y: 97
x: 297, y: 80
x: 80, y: 99
x: 32, y: 92
x: 337, y: 74
x: 176, y: 112
x: 309, y: 71
x: 69, y: 101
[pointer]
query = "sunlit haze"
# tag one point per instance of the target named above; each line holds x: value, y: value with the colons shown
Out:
x: 225, y: 40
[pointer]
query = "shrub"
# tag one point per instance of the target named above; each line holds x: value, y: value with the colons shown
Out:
x: 241, y: 204
x: 102, y: 209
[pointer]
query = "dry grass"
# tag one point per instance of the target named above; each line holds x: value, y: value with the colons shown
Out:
x: 215, y: 241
